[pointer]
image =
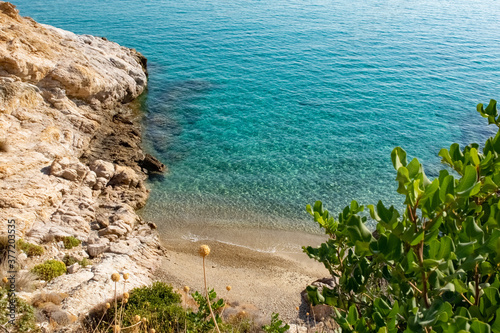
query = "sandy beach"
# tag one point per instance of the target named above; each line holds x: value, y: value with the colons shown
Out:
x: 262, y: 282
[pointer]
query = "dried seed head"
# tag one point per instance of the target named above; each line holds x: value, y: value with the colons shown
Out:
x: 108, y: 305
x: 5, y: 278
x: 307, y: 313
x: 297, y: 308
x: 144, y: 319
x: 126, y: 295
x: 115, y: 277
x: 228, y: 288
x: 204, y: 250
x: 152, y: 330
x: 126, y: 276
x: 186, y: 289
x: 137, y: 318
x: 116, y: 329
x: 125, y: 301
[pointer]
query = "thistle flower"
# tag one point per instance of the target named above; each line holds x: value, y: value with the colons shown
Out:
x: 186, y: 289
x: 137, y: 318
x: 204, y: 250
x: 228, y: 288
x: 126, y: 276
x: 115, y: 277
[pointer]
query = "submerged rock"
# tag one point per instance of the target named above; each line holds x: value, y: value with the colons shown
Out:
x: 152, y: 164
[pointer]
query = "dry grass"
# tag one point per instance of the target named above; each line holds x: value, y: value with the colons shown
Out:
x: 25, y: 280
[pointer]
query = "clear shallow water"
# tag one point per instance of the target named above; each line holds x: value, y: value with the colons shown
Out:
x: 261, y: 107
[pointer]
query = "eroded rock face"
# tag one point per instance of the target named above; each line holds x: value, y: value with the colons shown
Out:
x: 70, y: 153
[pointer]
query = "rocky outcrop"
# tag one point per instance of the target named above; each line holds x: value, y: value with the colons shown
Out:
x: 71, y: 162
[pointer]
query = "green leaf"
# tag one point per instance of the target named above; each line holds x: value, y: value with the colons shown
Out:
x: 468, y: 181
x: 414, y: 168
x: 418, y: 238
x: 431, y: 263
x: 485, y: 268
x: 496, y: 324
x: 314, y: 295
x: 357, y: 230
x: 398, y: 157
x: 479, y: 327
x: 318, y: 207
x: 474, y: 156
x: 352, y: 317
x: 465, y: 249
x: 472, y: 230
x: 403, y: 176
x: 447, y: 187
x: 445, y: 155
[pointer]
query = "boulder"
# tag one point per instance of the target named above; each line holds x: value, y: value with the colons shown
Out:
x: 152, y: 164
x: 103, y: 169
x: 95, y: 250
x: 73, y: 268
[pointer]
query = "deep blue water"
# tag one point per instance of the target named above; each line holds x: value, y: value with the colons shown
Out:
x: 261, y: 107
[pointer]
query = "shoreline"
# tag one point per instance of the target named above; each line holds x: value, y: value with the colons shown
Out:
x: 262, y: 282
x: 87, y: 172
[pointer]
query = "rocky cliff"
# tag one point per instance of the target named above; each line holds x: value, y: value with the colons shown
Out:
x: 70, y: 156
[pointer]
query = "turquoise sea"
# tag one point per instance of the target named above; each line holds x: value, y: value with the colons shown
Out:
x: 261, y: 107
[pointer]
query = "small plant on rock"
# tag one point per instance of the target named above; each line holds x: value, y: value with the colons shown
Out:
x: 29, y: 248
x: 70, y: 242
x: 84, y: 262
x: 49, y: 270
x: 69, y: 260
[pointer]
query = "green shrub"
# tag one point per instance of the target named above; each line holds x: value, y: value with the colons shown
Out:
x: 432, y: 268
x: 161, y: 306
x: 69, y: 260
x: 24, y: 314
x: 30, y: 249
x: 70, y: 242
x: 276, y: 325
x: 201, y: 320
x: 84, y: 262
x: 49, y: 269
